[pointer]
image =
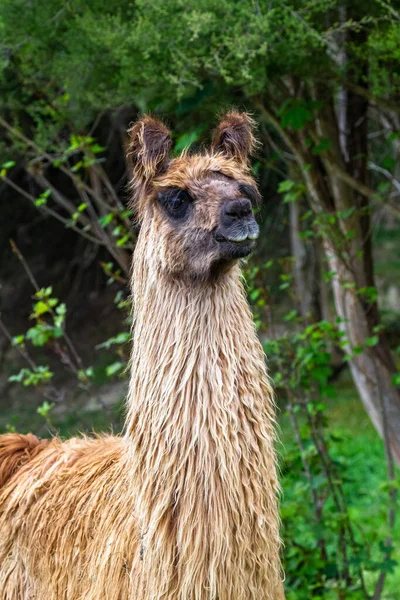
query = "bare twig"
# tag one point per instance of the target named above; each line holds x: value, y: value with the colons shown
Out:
x: 74, y: 352
x: 66, y: 204
x: 386, y: 173
x: 55, y: 395
x: 46, y: 210
x: 78, y: 182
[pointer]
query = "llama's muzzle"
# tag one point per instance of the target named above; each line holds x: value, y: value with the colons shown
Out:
x: 238, y: 229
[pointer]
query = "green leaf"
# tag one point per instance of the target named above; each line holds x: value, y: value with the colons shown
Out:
x: 285, y: 186
x: 291, y: 315
x: 324, y: 144
x: 388, y: 163
x: 187, y: 139
x: 114, y: 368
x: 394, y: 136
x: 372, y: 341
x: 123, y: 240
x: 106, y: 219
x: 295, y: 115
x: 119, y: 339
x: 44, y: 409
x: 61, y: 309
x: 41, y: 308
x: 8, y: 165
x: 96, y: 148
x: 357, y: 350
x: 17, y: 378
x: 37, y: 337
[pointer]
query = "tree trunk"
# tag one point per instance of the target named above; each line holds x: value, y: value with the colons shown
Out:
x: 371, y: 375
x: 348, y: 249
x: 305, y: 261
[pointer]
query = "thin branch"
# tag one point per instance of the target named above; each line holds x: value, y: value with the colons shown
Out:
x: 364, y: 93
x: 361, y: 188
x: 118, y: 254
x: 56, y: 395
x: 20, y: 351
x: 59, y: 197
x: 36, y: 286
x: 45, y: 209
x: 78, y: 182
x: 390, y: 9
x: 106, y: 181
x: 386, y: 173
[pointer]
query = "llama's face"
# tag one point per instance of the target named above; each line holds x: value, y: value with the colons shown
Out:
x: 197, y: 210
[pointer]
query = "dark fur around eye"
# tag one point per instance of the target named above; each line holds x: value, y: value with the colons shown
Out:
x: 251, y: 192
x: 176, y: 202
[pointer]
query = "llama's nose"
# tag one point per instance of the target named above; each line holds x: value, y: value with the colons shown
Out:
x: 239, y: 208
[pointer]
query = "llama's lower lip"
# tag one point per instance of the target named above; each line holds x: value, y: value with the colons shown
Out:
x: 238, y: 241
x: 232, y: 249
x: 246, y: 240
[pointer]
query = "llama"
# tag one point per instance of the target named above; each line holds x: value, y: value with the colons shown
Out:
x: 183, y: 505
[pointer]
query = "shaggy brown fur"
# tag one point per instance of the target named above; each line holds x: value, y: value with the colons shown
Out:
x: 15, y: 451
x: 183, y: 506
x: 234, y: 136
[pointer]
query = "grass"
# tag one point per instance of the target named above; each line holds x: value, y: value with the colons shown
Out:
x: 361, y: 453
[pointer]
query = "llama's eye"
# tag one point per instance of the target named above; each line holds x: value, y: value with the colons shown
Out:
x: 176, y: 202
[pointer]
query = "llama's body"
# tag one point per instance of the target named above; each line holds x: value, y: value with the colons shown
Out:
x: 57, y: 541
x: 183, y: 506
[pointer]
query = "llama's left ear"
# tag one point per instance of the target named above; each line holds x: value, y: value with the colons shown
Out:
x: 149, y: 146
x: 234, y: 136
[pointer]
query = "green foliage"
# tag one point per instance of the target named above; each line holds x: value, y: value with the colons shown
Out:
x: 332, y: 549
x: 87, y: 55
x: 292, y: 191
x: 35, y: 376
x: 46, y: 329
x: 44, y: 411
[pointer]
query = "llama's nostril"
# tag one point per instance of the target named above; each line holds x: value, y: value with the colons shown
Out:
x: 238, y: 208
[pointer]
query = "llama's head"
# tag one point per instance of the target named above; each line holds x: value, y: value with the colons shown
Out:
x: 196, y: 210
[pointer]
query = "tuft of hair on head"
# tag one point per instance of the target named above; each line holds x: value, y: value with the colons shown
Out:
x: 148, y: 153
x: 234, y: 136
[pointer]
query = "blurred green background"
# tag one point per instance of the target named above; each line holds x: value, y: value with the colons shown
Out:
x: 322, y: 80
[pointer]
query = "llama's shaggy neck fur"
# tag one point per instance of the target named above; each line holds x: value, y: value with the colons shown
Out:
x: 200, y: 438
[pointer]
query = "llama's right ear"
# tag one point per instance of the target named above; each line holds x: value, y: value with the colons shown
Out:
x: 234, y: 136
x: 148, y: 150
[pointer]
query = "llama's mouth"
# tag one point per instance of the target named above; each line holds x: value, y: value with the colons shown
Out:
x: 234, y: 247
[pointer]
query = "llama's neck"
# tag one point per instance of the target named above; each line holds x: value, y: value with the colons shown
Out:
x: 200, y: 438
x: 196, y: 364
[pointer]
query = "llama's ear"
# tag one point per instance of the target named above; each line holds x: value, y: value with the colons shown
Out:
x: 148, y: 150
x: 234, y: 136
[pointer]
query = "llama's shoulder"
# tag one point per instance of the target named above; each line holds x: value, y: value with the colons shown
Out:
x: 63, y: 509
x: 63, y: 469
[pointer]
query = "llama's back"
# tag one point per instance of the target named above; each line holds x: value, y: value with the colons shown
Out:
x: 67, y: 529
x: 16, y: 450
